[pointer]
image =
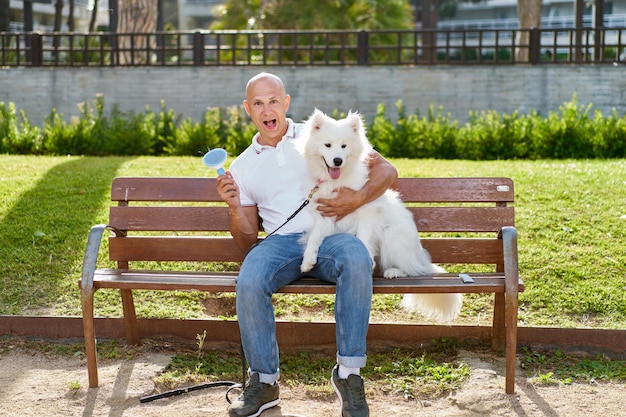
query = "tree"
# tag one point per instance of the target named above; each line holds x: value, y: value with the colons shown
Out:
x: 322, y: 14
x: 94, y: 15
x: 58, y: 15
x: 70, y: 17
x: 137, y: 17
x: 529, y: 16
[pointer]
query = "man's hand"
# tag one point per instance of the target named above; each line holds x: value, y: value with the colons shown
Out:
x: 228, y: 190
x: 344, y: 203
x: 382, y: 175
x: 244, y: 224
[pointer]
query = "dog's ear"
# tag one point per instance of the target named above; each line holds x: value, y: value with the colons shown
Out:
x: 317, y: 119
x: 356, y: 123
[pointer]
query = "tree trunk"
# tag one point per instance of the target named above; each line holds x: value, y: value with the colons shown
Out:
x: 58, y: 15
x: 70, y: 17
x: 94, y: 14
x: 529, y: 16
x: 137, y: 17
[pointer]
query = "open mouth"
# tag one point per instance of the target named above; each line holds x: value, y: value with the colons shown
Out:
x: 334, y: 172
x: 270, y: 123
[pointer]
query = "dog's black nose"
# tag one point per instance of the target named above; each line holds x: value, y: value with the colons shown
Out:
x: 337, y: 162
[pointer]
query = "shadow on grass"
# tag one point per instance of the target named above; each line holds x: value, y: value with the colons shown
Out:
x: 43, y: 236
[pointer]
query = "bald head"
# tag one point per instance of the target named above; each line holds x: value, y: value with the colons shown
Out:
x: 266, y: 78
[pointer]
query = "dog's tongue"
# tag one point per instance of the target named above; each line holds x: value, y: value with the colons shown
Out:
x: 334, y: 173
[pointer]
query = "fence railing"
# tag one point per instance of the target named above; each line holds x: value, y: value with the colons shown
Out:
x: 305, y: 48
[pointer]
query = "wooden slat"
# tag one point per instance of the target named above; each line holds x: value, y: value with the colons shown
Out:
x: 225, y: 282
x: 456, y: 189
x: 164, y: 189
x: 412, y: 189
x: 224, y: 249
x: 463, y: 219
x: 175, y: 248
x: 464, y: 251
x: 140, y: 218
x: 428, y: 219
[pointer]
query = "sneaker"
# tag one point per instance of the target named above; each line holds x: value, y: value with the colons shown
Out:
x: 351, y: 393
x: 255, y: 398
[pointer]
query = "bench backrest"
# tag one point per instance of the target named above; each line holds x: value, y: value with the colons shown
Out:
x: 174, y: 219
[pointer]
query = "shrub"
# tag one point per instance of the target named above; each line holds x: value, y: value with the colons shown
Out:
x: 17, y: 135
x: 574, y: 131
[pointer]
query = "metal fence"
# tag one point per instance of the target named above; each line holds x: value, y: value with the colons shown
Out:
x: 307, y: 48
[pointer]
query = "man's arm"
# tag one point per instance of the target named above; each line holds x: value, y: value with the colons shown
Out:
x: 382, y: 176
x: 244, y: 220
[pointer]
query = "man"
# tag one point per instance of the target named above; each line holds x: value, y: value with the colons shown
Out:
x: 267, y: 181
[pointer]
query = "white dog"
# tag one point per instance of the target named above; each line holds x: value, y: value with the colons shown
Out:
x: 336, y: 152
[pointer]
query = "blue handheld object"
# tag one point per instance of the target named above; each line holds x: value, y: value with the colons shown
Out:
x: 215, y: 159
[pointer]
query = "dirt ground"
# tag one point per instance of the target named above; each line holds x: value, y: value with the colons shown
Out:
x: 40, y: 384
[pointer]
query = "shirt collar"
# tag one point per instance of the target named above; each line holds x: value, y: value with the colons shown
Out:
x: 290, y: 134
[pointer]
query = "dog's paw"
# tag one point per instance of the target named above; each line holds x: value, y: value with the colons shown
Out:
x: 307, y: 264
x: 392, y: 273
x: 306, y: 267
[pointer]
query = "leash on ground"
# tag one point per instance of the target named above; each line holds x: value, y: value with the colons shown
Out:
x: 179, y: 391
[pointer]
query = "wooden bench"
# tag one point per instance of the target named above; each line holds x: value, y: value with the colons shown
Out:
x: 470, y: 222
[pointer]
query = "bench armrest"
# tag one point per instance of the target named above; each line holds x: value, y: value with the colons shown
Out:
x: 511, y: 267
x: 92, y: 250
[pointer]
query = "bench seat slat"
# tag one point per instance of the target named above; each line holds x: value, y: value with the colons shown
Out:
x: 471, y: 190
x: 428, y: 219
x: 224, y: 249
x: 225, y: 282
x: 185, y: 219
x: 164, y: 189
x: 412, y: 189
x: 175, y: 248
x: 463, y: 219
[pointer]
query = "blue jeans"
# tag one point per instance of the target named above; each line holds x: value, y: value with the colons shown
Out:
x: 274, y: 263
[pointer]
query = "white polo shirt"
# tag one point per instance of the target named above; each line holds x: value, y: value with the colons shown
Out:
x: 276, y: 180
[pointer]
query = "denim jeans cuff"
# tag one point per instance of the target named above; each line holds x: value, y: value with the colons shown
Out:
x: 352, y: 361
x: 266, y: 378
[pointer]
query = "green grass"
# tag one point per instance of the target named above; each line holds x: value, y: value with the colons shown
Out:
x: 409, y: 374
x: 571, y: 220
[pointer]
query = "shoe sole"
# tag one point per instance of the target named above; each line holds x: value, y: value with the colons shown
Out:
x: 332, y: 382
x: 266, y: 406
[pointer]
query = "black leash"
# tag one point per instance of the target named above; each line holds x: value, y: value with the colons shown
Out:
x: 179, y: 391
x: 298, y: 210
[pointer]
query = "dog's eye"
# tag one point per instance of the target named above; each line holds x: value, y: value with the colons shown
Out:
x: 327, y: 145
x: 343, y: 146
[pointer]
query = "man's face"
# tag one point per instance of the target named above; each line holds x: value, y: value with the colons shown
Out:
x: 266, y: 103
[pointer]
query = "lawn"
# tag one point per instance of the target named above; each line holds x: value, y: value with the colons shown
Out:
x: 571, y: 220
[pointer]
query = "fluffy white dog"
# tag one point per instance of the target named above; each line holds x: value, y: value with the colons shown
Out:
x: 336, y: 152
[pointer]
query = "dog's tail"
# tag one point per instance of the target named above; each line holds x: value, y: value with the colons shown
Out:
x: 440, y: 307
x: 443, y: 308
